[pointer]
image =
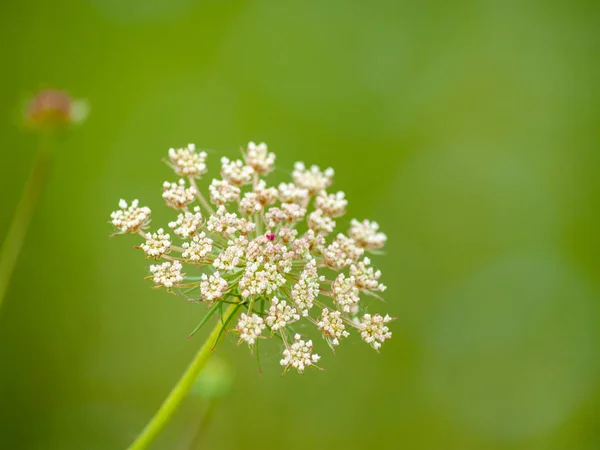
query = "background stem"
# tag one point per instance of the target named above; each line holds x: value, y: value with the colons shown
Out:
x: 182, y: 388
x: 196, y: 442
x: 13, y: 242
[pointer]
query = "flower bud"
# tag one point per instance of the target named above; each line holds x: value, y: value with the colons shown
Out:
x: 53, y: 110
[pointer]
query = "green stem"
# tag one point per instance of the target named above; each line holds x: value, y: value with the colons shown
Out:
x: 200, y: 197
x: 203, y: 425
x: 181, y: 389
x: 13, y: 242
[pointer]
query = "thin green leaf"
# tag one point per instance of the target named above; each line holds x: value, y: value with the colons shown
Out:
x: 230, y: 303
x: 222, y: 330
x: 257, y: 354
x: 373, y: 294
x: 187, y: 291
x: 276, y: 335
x: 208, y: 315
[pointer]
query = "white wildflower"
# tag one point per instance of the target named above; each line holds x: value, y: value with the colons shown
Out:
x: 373, y: 329
x: 157, y: 244
x: 307, y: 289
x: 249, y: 205
x: 264, y: 250
x: 227, y: 223
x: 366, y: 278
x: 299, y: 355
x: 187, y: 223
x: 131, y: 219
x: 294, y: 213
x: 312, y: 179
x: 366, y: 234
x: 259, y: 158
x: 345, y: 293
x: 287, y: 261
x: 288, y: 213
x: 167, y: 274
x: 187, y: 162
x: 290, y: 193
x: 287, y: 235
x: 197, y: 249
x: 320, y: 223
x: 275, y: 216
x: 232, y: 256
x: 235, y: 172
x: 268, y: 254
x: 213, y: 287
x: 332, y: 326
x: 309, y: 243
x: 176, y: 195
x: 281, y: 314
x: 260, y: 279
x: 332, y: 205
x: 222, y: 192
x: 255, y: 249
x: 250, y: 328
x: 342, y: 252
x: 265, y: 195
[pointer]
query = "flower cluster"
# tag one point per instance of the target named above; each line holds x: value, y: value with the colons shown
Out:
x: 269, y: 250
x: 186, y: 162
x: 130, y: 219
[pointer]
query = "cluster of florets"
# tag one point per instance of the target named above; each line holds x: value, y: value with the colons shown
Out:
x: 265, y: 249
x: 187, y: 162
x: 130, y: 219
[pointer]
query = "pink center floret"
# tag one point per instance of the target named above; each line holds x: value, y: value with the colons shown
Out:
x: 271, y: 236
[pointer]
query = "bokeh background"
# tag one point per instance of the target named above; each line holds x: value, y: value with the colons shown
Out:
x: 468, y: 130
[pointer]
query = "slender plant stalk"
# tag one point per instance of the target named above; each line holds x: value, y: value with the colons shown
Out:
x: 196, y: 442
x: 182, y: 388
x: 13, y: 241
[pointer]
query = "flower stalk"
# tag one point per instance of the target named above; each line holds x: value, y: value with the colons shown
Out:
x: 183, y: 387
x: 48, y: 113
x: 17, y: 231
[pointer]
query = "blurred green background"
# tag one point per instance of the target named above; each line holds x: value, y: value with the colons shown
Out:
x: 468, y: 130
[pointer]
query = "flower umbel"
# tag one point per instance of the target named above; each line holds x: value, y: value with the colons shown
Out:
x: 186, y: 162
x: 130, y: 219
x: 250, y: 328
x: 167, y: 274
x: 157, y: 244
x: 252, y: 251
x: 373, y: 329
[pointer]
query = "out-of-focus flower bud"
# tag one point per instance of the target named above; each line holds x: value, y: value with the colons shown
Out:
x: 54, y: 110
x: 215, y: 381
